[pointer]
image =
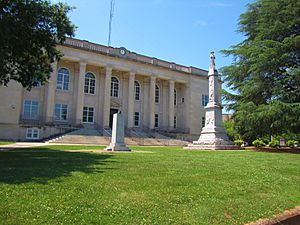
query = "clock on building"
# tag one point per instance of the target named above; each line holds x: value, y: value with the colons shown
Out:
x: 122, y: 51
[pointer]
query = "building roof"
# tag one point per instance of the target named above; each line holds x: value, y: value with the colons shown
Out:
x: 132, y: 56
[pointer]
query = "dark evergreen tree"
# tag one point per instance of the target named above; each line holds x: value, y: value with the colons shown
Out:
x: 265, y: 73
x: 30, y: 31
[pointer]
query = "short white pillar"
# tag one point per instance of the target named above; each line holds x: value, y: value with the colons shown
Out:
x: 117, y: 139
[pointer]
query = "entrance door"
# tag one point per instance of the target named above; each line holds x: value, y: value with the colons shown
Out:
x: 112, y: 112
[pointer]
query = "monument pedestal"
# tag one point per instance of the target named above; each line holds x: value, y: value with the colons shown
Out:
x: 117, y: 138
x: 117, y: 147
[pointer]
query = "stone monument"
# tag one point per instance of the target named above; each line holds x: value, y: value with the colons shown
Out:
x: 117, y: 138
x: 213, y: 135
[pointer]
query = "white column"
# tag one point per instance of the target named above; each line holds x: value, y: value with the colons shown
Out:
x: 50, y: 99
x: 171, y: 104
x: 106, y: 103
x: 187, y: 113
x: 80, y: 92
x: 152, y: 102
x: 130, y: 110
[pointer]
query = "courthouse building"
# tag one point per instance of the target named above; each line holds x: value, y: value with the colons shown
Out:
x: 92, y: 81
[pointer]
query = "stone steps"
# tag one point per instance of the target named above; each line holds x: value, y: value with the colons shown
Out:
x: 92, y: 136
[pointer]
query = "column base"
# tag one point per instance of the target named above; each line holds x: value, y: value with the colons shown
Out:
x: 213, y: 139
x: 121, y: 147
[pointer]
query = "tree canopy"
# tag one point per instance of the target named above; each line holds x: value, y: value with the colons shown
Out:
x: 30, y: 31
x: 265, y: 74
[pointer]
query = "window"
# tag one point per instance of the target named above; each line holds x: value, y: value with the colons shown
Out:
x: 89, y: 83
x: 156, y: 94
x: 175, y: 121
x: 204, y: 100
x: 37, y: 84
x: 63, y: 79
x: 114, y: 91
x: 30, y: 109
x: 156, y: 120
x: 137, y: 90
x: 136, y: 119
x: 203, y: 121
x: 32, y: 133
x: 88, y: 115
x: 175, y: 97
x: 61, y: 112
x: 182, y: 100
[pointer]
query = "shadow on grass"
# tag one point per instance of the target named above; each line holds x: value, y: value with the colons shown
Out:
x: 40, y: 166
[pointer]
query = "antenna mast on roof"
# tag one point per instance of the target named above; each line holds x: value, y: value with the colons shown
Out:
x: 111, y: 14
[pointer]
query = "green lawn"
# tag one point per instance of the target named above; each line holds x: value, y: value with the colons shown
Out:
x: 155, y: 185
x: 6, y: 142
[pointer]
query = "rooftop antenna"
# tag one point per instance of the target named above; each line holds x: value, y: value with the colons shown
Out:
x: 111, y: 14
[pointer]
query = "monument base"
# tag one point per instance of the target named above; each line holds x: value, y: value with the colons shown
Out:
x: 213, y: 138
x: 116, y: 147
x: 196, y: 146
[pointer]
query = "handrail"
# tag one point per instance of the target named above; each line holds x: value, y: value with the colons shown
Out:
x: 107, y: 131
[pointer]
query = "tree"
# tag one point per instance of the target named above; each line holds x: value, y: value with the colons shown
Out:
x: 30, y: 31
x: 265, y: 74
x: 230, y: 130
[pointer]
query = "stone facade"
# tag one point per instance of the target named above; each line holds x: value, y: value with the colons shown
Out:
x: 91, y: 82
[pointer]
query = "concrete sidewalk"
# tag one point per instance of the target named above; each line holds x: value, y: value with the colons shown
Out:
x: 21, y: 145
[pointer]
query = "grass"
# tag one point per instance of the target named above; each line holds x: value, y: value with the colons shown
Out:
x: 155, y: 185
x: 6, y: 143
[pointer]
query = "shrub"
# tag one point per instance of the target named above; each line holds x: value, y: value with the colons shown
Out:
x: 291, y: 143
x: 274, y: 143
x: 238, y: 142
x: 258, y: 143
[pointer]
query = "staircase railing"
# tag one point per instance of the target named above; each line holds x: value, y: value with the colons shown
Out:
x: 107, y: 131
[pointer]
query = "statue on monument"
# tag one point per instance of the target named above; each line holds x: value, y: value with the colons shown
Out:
x: 212, y: 60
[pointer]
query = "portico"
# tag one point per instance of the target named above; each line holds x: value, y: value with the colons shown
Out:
x: 143, y: 98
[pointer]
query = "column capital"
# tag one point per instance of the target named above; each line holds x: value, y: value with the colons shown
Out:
x: 109, y: 66
x: 82, y: 63
x: 152, y: 78
x: 108, y: 70
x: 172, y: 81
x: 132, y: 73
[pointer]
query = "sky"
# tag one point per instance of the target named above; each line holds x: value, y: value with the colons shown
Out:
x: 180, y: 31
